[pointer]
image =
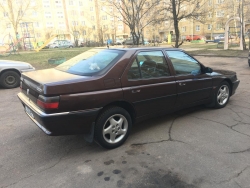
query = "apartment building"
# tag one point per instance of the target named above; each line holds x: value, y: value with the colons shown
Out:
x: 83, y: 19
x: 217, y: 12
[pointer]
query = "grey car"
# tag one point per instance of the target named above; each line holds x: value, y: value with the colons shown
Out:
x: 62, y: 44
x: 10, y: 72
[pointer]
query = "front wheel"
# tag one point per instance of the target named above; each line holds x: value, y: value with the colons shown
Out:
x: 222, y: 95
x: 112, y: 127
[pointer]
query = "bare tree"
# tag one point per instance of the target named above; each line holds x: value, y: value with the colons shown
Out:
x: 48, y: 33
x: 75, y: 31
x: 136, y: 14
x: 188, y: 9
x: 15, y: 11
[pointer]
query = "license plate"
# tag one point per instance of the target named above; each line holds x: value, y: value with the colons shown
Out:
x: 29, y: 112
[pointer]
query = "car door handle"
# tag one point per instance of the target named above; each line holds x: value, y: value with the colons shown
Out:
x: 136, y: 91
x: 182, y: 84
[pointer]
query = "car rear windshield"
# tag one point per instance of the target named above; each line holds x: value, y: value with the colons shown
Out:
x: 91, y: 62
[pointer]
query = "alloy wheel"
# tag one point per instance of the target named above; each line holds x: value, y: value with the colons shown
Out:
x: 115, y: 129
x: 223, y: 95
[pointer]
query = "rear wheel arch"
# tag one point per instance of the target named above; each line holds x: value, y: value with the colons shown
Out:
x: 123, y: 104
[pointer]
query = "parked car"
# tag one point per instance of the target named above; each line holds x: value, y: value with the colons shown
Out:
x: 129, y: 41
x: 10, y: 72
x: 103, y: 92
x: 61, y: 44
x: 81, y: 44
x: 221, y: 37
x: 195, y: 37
x: 118, y: 42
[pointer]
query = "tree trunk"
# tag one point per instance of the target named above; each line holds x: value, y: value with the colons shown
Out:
x: 176, y: 24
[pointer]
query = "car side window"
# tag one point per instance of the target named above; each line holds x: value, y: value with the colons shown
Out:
x: 134, y: 72
x: 151, y: 64
x: 183, y: 63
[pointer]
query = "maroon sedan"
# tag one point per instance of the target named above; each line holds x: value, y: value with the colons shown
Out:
x: 102, y: 92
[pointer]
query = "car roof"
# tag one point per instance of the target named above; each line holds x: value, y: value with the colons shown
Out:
x: 145, y: 48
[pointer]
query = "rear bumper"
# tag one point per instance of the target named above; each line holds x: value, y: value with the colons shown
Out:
x: 235, y: 84
x: 65, y: 123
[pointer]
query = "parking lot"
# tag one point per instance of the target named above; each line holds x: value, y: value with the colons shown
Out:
x: 195, y: 147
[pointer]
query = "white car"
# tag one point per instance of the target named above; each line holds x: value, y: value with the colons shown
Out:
x: 10, y: 72
x: 62, y: 44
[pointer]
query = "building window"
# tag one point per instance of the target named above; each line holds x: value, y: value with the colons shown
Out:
x: 20, y: 12
x: 59, y: 14
x: 120, y: 27
x: 91, y: 9
x: 219, y: 13
x: 104, y: 17
x: 49, y: 25
x: 197, y: 27
x: 220, y: 1
x: 92, y: 18
x: 83, y: 22
x: 5, y: 14
x: 71, y: 2
x: 73, y: 13
x: 74, y: 23
x: 210, y: 2
x: 183, y: 28
x: 209, y: 26
x: 210, y: 14
x: 62, y: 25
x: 34, y: 13
x: 36, y: 24
x: 93, y: 27
x: 46, y: 3
x: 219, y: 26
x: 38, y: 35
x: 58, y: 4
x: 8, y: 25
x: 47, y: 14
x: 83, y: 32
x: 33, y: 3
x: 80, y: 3
x: 82, y: 13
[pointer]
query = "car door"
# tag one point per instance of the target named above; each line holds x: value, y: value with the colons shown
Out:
x: 147, y: 83
x: 193, y: 85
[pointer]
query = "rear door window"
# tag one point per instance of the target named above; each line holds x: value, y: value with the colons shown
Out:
x: 150, y: 64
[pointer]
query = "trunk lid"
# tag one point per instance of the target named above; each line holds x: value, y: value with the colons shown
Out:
x: 50, y: 82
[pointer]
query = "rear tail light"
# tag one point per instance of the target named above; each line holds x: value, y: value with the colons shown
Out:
x: 48, y: 103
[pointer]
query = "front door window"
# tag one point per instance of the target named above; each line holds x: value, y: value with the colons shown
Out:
x: 183, y: 63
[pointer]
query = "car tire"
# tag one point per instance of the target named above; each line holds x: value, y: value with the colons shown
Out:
x: 70, y: 46
x: 112, y: 127
x: 222, y: 95
x: 188, y: 40
x: 10, y: 79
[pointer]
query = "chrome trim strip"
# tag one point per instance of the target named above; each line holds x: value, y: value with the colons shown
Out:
x: 33, y: 106
x: 39, y: 112
x: 39, y: 125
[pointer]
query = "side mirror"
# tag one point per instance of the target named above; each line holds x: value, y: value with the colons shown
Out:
x: 208, y: 70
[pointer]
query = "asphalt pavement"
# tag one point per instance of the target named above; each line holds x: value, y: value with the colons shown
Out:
x: 195, y: 147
